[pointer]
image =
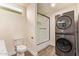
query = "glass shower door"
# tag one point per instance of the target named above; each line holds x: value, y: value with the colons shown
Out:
x: 43, y: 28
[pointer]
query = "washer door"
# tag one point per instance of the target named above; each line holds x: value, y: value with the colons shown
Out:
x: 63, y: 22
x: 64, y: 45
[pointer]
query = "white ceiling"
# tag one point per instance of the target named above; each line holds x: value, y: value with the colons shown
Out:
x: 45, y: 8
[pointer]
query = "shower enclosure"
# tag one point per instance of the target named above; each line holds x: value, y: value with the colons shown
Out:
x: 43, y: 28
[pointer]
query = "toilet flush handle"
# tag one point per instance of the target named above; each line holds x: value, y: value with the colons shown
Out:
x: 32, y: 37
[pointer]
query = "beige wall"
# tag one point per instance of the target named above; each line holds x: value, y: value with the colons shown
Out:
x: 31, y: 24
x: 12, y: 26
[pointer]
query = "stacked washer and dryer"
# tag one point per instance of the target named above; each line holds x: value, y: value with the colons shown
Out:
x: 65, y: 43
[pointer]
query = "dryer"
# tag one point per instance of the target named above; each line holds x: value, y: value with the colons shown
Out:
x: 65, y: 43
x: 65, y: 22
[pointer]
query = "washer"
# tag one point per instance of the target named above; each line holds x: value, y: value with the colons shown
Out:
x: 65, y: 43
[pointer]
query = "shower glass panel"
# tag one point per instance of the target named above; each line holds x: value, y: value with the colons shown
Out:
x: 43, y: 28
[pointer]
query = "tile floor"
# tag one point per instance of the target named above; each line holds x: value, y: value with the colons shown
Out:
x: 48, y: 51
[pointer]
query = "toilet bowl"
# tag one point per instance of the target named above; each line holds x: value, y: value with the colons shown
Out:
x: 21, y: 49
x: 20, y: 45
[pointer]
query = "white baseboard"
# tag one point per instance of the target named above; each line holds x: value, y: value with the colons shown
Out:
x: 53, y: 44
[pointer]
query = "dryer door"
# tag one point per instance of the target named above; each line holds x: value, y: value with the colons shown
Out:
x: 63, y: 22
x: 64, y: 45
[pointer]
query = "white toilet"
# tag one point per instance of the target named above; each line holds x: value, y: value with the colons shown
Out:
x: 3, y: 49
x: 20, y: 47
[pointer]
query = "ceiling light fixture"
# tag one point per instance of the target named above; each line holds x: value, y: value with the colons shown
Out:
x: 53, y: 4
x: 11, y: 7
